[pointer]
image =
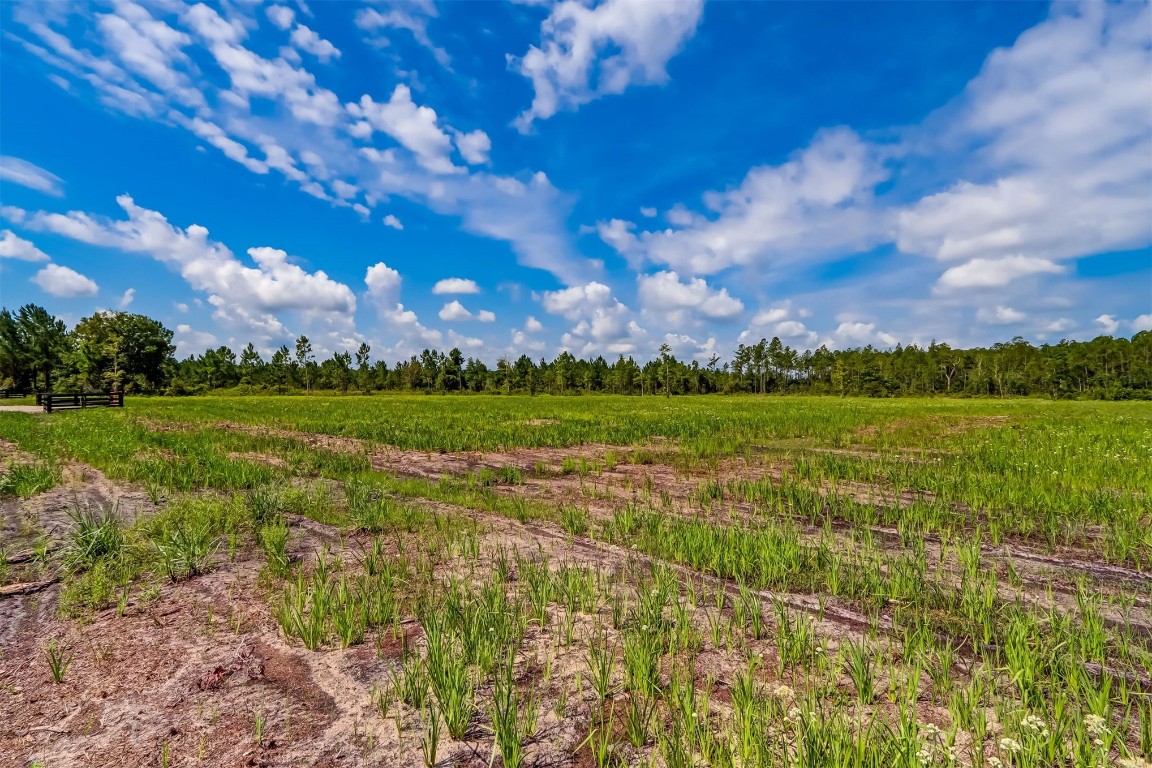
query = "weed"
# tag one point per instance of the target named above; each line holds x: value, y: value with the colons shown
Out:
x: 858, y: 666
x: 95, y: 536
x: 186, y: 549
x: 574, y: 520
x: 24, y: 480
x: 59, y: 659
x: 273, y: 537
x: 430, y: 741
x: 513, y: 719
x: 601, y: 659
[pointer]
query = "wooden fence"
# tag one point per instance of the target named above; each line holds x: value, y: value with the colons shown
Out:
x: 61, y: 401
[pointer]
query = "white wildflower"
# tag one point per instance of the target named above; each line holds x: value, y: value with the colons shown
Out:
x: 1010, y: 745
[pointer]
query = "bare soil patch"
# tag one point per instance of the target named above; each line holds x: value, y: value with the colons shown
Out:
x: 951, y: 425
x: 11, y: 453
x: 258, y: 458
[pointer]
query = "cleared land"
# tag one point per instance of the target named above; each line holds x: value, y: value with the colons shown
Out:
x: 577, y: 582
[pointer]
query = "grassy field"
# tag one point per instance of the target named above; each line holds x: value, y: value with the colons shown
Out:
x: 595, y: 581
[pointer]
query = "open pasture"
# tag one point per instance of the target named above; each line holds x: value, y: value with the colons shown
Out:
x: 583, y: 581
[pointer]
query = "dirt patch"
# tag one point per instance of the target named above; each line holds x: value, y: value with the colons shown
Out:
x: 158, y: 426
x: 866, y: 493
x: 944, y: 425
x: 188, y: 676
x: 969, y: 423
x: 32, y: 529
x: 333, y: 443
x: 81, y: 486
x: 287, y: 672
x: 155, y: 454
x: 10, y: 453
x: 259, y: 458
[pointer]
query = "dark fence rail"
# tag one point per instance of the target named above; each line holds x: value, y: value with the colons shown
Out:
x: 7, y: 393
x: 65, y: 401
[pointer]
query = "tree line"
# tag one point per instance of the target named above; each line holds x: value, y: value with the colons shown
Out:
x: 121, y: 350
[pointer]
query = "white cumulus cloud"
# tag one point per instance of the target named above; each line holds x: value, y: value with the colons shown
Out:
x: 664, y: 293
x: 450, y: 285
x: 64, y: 282
x: 589, y: 51
x: 383, y: 282
x: 995, y: 273
x: 474, y: 146
x: 453, y: 311
x: 14, y: 247
x: 414, y: 126
x: 602, y: 323
x: 245, y: 296
x: 402, y: 324
x: 573, y: 301
x: 1108, y: 324
x: 859, y: 333
x: 281, y: 16
x: 308, y: 41
x: 190, y: 341
x: 778, y: 321
x: 817, y: 203
x: 1061, y: 126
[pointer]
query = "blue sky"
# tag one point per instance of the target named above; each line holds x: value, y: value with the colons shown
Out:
x: 597, y: 177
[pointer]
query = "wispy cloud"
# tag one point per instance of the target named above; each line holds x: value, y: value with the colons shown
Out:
x: 24, y: 173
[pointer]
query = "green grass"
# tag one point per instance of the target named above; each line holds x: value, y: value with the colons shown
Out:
x: 24, y: 480
x: 1059, y: 473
